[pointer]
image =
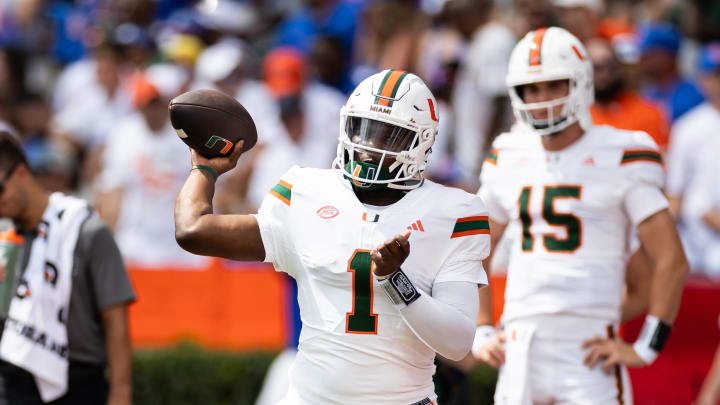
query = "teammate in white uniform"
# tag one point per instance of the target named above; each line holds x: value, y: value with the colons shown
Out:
x: 574, y: 191
x: 387, y: 263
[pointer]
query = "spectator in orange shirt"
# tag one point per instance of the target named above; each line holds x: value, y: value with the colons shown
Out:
x: 616, y: 104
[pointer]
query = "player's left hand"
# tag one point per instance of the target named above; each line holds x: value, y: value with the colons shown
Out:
x: 390, y: 255
x: 611, y: 352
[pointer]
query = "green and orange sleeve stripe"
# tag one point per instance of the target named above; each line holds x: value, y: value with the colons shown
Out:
x: 389, y: 87
x: 492, y: 157
x: 283, y: 191
x: 479, y: 225
x: 641, y: 155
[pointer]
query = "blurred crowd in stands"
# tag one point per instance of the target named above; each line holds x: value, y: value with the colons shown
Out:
x: 86, y: 83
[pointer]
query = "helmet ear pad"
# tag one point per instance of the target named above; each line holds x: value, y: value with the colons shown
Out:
x: 426, y: 141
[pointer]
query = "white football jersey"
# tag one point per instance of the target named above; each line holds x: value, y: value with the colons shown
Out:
x: 574, y: 210
x: 354, y: 346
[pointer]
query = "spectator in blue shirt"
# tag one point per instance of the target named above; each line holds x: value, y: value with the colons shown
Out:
x: 659, y: 45
x: 336, y: 19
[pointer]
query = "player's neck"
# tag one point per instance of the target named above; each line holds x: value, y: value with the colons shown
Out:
x: 33, y: 213
x: 379, y: 198
x: 564, y: 138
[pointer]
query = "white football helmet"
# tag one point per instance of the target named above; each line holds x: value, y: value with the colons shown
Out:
x: 549, y: 54
x: 387, y: 129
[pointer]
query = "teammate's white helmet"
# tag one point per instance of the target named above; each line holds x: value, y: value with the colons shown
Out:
x: 550, y: 54
x: 391, y: 116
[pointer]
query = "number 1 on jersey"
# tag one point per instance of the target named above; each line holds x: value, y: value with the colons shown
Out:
x: 361, y: 319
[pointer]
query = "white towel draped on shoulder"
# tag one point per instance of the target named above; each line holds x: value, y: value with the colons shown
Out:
x: 35, y: 335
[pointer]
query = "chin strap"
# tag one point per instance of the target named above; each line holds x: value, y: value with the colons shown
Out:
x: 401, y: 158
x: 404, y: 157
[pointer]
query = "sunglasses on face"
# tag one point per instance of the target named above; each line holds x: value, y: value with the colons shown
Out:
x: 7, y: 177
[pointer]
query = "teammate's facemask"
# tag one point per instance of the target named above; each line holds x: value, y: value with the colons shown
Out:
x: 376, y: 145
x: 552, y: 121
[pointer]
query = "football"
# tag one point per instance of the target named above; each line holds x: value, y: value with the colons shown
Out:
x: 211, y: 122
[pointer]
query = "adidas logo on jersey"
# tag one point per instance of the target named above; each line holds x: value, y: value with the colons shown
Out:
x: 417, y: 226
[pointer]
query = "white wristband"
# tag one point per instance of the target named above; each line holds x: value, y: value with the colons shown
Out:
x: 652, y: 338
x: 647, y: 354
x: 483, y: 333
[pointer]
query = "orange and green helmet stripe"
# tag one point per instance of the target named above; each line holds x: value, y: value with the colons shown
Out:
x: 389, y: 87
x: 283, y: 191
x: 467, y: 226
x: 630, y: 156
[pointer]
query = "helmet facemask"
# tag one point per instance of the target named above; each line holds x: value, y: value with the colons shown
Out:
x: 378, y: 153
x: 552, y: 124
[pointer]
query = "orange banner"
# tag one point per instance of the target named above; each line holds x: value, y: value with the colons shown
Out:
x: 241, y: 307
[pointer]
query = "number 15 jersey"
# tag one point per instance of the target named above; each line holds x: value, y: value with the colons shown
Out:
x: 574, y: 210
x: 354, y: 346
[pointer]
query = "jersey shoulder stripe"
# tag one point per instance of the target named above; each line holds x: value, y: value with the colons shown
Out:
x: 492, y: 157
x: 476, y: 225
x: 641, y: 155
x: 283, y: 191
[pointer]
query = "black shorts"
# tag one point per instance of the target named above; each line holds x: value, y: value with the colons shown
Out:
x: 87, y: 384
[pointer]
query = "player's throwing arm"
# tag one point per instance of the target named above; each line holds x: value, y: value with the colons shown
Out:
x: 218, y: 129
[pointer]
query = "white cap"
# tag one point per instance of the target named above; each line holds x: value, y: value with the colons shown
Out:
x: 218, y: 61
x: 227, y: 15
x: 169, y: 79
x: 594, y: 5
